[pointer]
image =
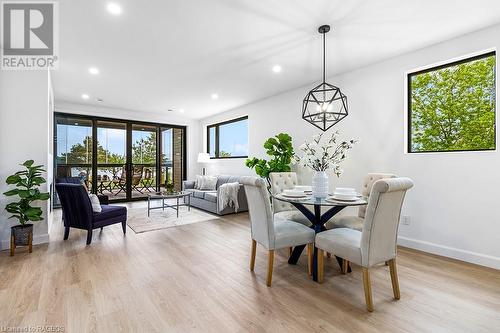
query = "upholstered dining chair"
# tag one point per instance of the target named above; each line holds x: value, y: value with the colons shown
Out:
x: 376, y: 243
x: 269, y: 232
x: 281, y: 181
x: 356, y: 221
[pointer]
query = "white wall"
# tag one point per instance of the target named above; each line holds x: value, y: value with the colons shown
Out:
x: 452, y: 206
x: 24, y: 134
x: 192, y: 131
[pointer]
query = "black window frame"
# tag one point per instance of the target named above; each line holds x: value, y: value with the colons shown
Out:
x: 129, y: 122
x: 432, y: 69
x: 216, y: 126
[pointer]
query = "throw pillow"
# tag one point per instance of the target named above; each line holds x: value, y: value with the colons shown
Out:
x: 199, y: 182
x: 209, y: 183
x: 96, y: 205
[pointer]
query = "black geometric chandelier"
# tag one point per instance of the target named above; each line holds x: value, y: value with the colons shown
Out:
x: 325, y: 105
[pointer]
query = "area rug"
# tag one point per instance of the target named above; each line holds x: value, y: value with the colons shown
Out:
x: 139, y: 221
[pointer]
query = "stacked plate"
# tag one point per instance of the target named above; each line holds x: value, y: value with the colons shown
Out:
x: 294, y: 193
x: 345, y: 194
x: 303, y: 188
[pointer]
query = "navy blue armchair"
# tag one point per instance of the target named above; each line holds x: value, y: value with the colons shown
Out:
x: 78, y: 213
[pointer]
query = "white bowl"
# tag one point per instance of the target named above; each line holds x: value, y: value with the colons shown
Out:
x: 345, y: 197
x: 345, y: 190
x: 303, y: 188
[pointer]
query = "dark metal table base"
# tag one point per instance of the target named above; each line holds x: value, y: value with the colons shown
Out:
x: 166, y: 205
x: 318, y: 224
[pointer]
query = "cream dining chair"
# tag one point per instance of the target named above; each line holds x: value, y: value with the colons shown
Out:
x: 356, y: 221
x: 376, y: 243
x: 270, y: 233
x: 281, y: 181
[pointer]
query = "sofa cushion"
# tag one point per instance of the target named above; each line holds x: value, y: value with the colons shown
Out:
x: 211, y: 196
x: 110, y: 211
x: 198, y: 194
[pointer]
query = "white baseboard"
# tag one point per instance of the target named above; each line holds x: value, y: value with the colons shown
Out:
x: 451, y: 252
x: 38, y: 239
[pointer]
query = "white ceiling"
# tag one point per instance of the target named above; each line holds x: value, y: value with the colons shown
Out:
x: 174, y: 54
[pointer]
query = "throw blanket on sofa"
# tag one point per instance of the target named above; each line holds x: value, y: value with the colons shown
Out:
x: 228, y: 194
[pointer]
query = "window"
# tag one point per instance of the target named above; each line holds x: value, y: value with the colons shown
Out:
x: 452, y: 107
x: 228, y: 139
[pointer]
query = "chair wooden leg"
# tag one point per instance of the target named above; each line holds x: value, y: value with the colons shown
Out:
x: 270, y: 268
x: 290, y: 250
x: 394, y: 278
x: 12, y: 245
x: 345, y: 266
x: 124, y: 227
x: 368, y: 289
x: 66, y: 233
x: 30, y: 243
x: 252, y: 255
x: 89, y: 236
x: 310, y: 257
x: 328, y: 255
x: 321, y: 269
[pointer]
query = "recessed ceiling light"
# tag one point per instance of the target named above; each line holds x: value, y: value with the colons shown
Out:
x: 214, y: 96
x: 99, y: 100
x: 114, y: 8
x: 85, y: 96
x: 181, y: 110
x: 93, y: 70
x: 277, y: 68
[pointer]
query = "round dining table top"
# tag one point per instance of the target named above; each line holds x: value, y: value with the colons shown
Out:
x: 329, y: 201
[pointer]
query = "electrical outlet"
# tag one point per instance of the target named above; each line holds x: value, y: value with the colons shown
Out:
x: 405, y: 220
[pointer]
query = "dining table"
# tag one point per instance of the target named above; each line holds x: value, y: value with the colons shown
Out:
x: 318, y: 218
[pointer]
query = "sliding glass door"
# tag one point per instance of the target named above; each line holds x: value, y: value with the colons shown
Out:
x: 111, y: 159
x: 73, y: 146
x: 129, y: 159
x: 144, y: 153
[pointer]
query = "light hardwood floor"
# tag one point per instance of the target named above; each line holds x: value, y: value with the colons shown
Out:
x: 196, y: 278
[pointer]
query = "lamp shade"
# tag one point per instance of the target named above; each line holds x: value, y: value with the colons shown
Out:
x: 203, y: 157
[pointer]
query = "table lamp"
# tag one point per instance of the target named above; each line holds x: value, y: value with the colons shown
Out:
x: 203, y: 158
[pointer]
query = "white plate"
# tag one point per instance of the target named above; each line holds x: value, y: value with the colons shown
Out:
x: 294, y: 195
x: 343, y: 198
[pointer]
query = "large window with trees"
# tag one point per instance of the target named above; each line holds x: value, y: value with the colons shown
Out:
x: 228, y: 139
x: 119, y: 158
x: 452, y: 107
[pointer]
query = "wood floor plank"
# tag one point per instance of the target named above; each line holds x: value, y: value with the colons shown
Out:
x: 195, y: 278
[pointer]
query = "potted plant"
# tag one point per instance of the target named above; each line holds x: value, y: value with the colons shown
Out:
x: 321, y: 156
x: 27, y: 184
x: 280, y: 148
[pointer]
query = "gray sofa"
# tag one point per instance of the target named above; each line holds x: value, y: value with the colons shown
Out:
x: 207, y: 200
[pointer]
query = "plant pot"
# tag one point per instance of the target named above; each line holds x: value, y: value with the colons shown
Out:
x: 320, y: 185
x: 21, y: 235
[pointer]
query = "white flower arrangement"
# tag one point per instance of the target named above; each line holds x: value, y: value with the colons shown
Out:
x: 321, y: 156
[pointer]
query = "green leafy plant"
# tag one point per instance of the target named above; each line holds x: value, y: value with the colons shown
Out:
x: 281, y: 151
x: 27, y: 184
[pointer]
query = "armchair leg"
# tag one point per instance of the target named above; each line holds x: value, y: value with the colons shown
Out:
x: 252, y: 255
x: 345, y: 266
x: 124, y: 227
x: 368, y: 289
x: 89, y: 236
x: 321, y: 269
x: 270, y: 267
x: 394, y: 278
x: 310, y: 255
x: 290, y: 250
x: 66, y: 233
x: 328, y: 255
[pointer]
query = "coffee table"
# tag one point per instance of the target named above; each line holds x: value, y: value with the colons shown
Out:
x: 165, y: 195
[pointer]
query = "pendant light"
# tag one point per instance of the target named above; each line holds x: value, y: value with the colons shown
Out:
x: 324, y: 105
